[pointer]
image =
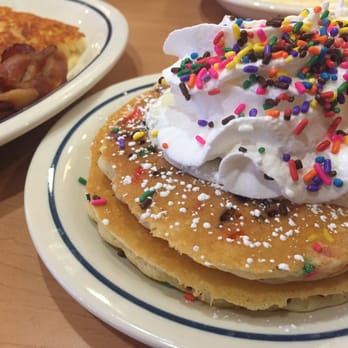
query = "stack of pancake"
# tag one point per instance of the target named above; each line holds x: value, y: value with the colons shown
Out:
x: 223, y: 249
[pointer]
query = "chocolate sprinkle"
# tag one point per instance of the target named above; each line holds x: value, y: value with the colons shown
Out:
x: 275, y: 22
x: 184, y: 91
x: 227, y: 119
x: 146, y: 203
x: 298, y: 164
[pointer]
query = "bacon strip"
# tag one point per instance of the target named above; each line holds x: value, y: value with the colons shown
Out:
x: 27, y: 75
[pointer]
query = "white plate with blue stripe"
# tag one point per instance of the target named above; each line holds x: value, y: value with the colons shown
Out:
x: 109, y: 286
x: 258, y: 9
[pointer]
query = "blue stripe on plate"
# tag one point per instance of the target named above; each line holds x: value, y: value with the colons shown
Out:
x: 109, y: 30
x: 133, y: 299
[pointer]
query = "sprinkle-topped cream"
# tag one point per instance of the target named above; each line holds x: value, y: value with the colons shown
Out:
x: 259, y: 107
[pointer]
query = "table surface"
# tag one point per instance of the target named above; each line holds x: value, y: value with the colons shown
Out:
x: 35, y: 311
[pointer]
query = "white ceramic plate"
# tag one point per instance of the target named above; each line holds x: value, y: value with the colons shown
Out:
x: 269, y: 8
x: 106, y: 32
x: 111, y: 288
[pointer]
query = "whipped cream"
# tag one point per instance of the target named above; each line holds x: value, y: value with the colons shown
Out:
x: 259, y: 106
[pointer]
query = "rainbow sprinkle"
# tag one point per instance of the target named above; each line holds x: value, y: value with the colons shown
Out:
x: 325, y: 50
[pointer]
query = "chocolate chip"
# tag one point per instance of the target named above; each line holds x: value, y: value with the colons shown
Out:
x: 227, y: 215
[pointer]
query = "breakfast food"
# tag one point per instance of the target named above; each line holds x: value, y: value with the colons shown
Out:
x: 293, y: 71
x: 155, y: 258
x: 36, y: 56
x: 39, y: 32
x: 235, y: 163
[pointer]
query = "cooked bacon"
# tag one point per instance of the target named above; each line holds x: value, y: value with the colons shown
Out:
x: 26, y: 75
x: 18, y: 98
x: 15, y: 67
x: 16, y: 49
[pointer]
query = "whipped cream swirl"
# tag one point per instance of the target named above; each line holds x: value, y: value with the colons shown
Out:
x: 259, y: 107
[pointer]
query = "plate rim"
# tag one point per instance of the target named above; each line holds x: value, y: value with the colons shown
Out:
x: 264, y: 4
x: 272, y: 7
x: 50, y: 105
x: 232, y: 334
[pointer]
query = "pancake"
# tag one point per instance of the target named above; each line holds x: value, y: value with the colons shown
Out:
x: 39, y: 32
x: 155, y: 258
x: 266, y: 240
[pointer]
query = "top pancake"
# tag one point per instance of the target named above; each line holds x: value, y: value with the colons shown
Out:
x: 40, y: 32
x: 157, y: 260
x: 268, y: 240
